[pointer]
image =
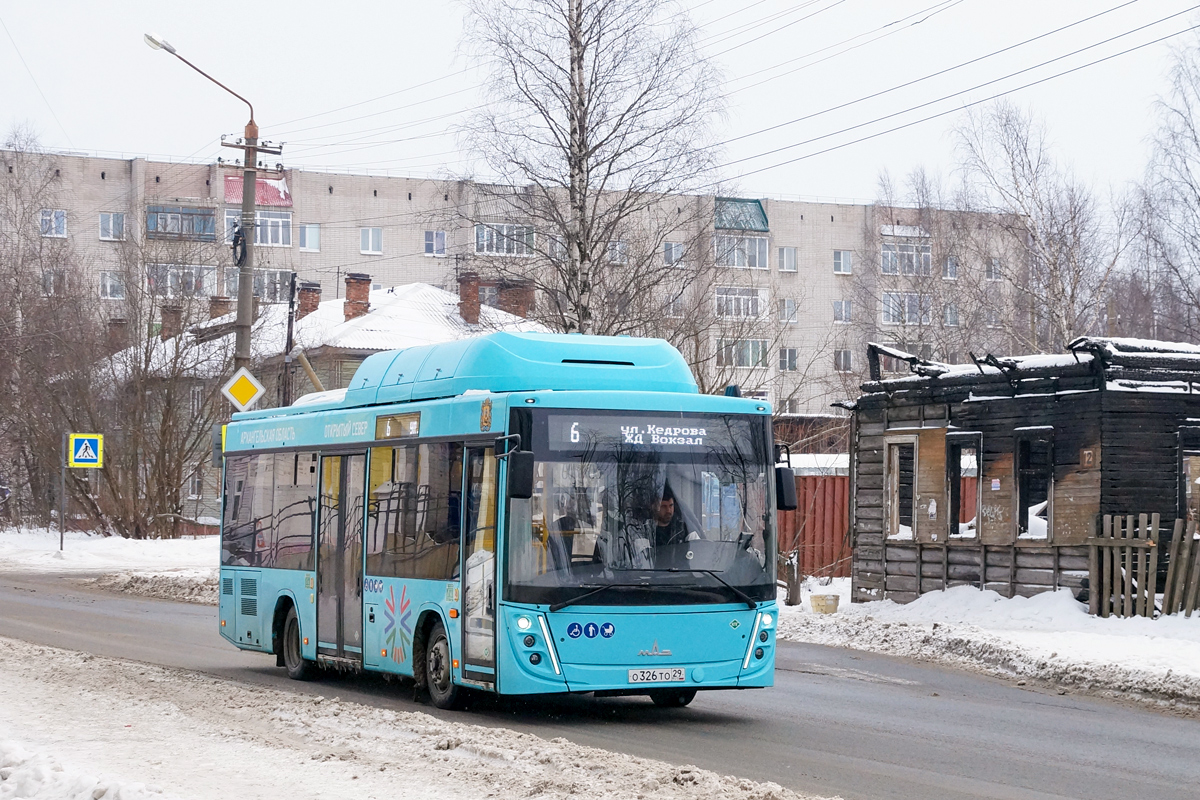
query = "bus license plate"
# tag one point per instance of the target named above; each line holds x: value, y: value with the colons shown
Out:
x: 672, y: 675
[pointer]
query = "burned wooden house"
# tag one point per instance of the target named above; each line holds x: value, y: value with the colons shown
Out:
x: 996, y: 474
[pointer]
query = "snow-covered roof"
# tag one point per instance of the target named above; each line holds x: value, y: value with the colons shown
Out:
x: 398, y: 317
x: 904, y: 231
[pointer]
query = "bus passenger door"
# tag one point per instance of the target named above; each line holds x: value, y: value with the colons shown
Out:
x: 479, y: 566
x: 340, y: 557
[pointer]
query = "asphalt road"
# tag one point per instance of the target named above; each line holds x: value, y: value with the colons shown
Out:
x: 837, y: 722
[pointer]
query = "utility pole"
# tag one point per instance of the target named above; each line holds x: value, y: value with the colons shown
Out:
x: 244, y: 239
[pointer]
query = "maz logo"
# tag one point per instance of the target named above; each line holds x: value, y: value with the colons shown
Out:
x: 654, y: 651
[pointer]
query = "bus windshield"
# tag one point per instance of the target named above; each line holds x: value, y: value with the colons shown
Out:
x: 644, y: 508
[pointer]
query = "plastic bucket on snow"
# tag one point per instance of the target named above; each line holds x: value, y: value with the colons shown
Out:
x: 824, y: 603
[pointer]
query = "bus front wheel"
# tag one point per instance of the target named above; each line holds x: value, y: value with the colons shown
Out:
x: 439, y: 678
x: 298, y: 668
x: 672, y: 698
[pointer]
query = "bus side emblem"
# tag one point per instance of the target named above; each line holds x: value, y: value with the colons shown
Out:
x: 734, y: 624
x: 654, y: 651
x: 485, y: 416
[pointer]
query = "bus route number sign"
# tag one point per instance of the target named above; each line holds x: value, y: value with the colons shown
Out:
x: 397, y: 426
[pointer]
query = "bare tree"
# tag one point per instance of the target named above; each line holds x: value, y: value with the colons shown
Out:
x: 1060, y: 247
x: 598, y: 124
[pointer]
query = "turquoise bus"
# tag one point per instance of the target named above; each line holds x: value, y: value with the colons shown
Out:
x: 514, y: 513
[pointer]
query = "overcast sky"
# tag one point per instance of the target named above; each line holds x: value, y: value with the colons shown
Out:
x: 378, y: 86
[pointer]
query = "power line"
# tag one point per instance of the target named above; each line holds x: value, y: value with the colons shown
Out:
x: 35, y: 82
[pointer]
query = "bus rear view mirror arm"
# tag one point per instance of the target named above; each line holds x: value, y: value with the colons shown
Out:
x: 785, y: 489
x: 520, y: 474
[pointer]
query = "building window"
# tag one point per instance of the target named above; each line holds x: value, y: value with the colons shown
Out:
x: 196, y: 400
x: 54, y: 222
x: 54, y: 282
x: 906, y: 308
x: 1035, y: 483
x: 841, y: 311
x: 112, y: 226
x: 271, y: 228
x: 787, y: 359
x: 900, y: 479
x: 843, y: 260
x: 617, y: 252
x: 742, y: 353
x: 744, y: 252
x: 672, y: 253
x: 843, y: 361
x: 950, y: 268
x: 435, y: 243
x: 744, y: 303
x: 950, y: 315
x: 890, y: 364
x: 906, y: 259
x: 962, y: 478
x: 270, y: 285
x: 112, y: 286
x: 310, y: 238
x: 370, y: 241
x: 175, y: 280
x: 177, y: 222
x: 991, y: 317
x: 787, y: 311
x: 504, y: 240
x: 674, y: 306
x: 992, y: 271
x: 489, y: 296
x: 195, y: 487
x: 787, y: 259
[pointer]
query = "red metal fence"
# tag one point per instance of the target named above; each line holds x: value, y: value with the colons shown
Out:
x: 819, y: 526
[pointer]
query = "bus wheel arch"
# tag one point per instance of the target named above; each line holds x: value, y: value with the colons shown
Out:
x: 425, y: 624
x: 282, y: 606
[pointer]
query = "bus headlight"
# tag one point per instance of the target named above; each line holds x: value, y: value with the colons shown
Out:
x: 524, y: 623
x: 767, y: 620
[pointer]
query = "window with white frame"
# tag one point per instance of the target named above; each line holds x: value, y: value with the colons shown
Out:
x: 195, y: 487
x: 616, y: 252
x: 991, y: 317
x: 743, y: 252
x: 906, y: 258
x: 733, y: 301
x: 112, y: 226
x: 271, y: 228
x: 950, y: 315
x: 787, y: 359
x: 742, y: 353
x: 787, y: 259
x: 504, y: 239
x: 196, y: 400
x: 787, y: 311
x: 674, y: 306
x: 435, y: 244
x: 54, y: 282
x: 950, y: 268
x: 310, y: 237
x: 672, y: 253
x: 112, y: 286
x: 841, y: 311
x: 843, y: 361
x: 992, y: 270
x: 843, y: 261
x: 790, y: 406
x: 906, y: 308
x: 180, y: 280
x: 489, y: 296
x: 54, y: 222
x: 270, y: 285
x: 370, y: 241
x: 180, y: 222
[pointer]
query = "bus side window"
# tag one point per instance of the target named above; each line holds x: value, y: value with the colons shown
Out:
x: 295, y: 509
x: 413, y: 511
x: 235, y: 533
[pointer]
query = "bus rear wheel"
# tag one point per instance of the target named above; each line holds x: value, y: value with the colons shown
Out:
x: 672, y: 698
x: 439, y: 677
x: 298, y: 669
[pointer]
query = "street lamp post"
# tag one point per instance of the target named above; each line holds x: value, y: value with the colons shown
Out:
x: 245, y: 259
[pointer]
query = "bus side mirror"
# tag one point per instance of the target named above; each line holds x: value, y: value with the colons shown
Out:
x: 785, y: 489
x: 520, y: 474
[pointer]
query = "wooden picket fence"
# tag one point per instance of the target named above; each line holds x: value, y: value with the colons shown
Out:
x: 1123, y: 563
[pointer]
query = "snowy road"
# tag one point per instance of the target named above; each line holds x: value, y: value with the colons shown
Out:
x: 838, y: 722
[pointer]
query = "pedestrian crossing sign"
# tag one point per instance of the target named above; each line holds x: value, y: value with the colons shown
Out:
x: 85, y: 450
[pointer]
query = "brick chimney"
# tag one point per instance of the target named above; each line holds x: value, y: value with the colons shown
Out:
x: 516, y: 297
x: 468, y: 297
x: 172, y: 322
x: 308, y: 298
x: 219, y: 306
x: 358, y: 295
x: 118, y: 334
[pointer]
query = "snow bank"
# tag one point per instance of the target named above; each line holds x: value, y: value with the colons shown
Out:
x: 201, y: 737
x: 1048, y: 637
x: 24, y: 773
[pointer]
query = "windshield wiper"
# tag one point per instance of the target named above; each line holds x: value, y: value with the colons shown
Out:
x: 564, y: 603
x: 745, y: 598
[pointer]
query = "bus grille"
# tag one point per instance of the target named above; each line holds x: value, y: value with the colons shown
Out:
x: 249, y: 587
x: 227, y: 586
x: 250, y: 606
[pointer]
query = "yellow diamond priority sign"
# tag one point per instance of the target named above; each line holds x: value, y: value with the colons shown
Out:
x: 243, y: 389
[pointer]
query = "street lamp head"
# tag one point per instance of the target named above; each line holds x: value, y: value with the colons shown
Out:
x: 156, y: 42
